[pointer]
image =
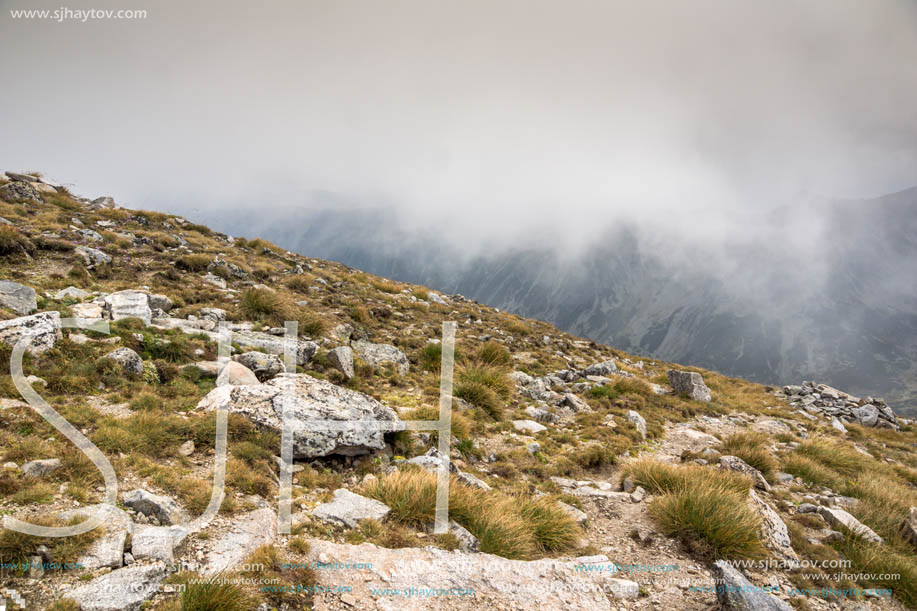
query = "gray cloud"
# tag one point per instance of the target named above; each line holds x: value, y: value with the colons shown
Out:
x: 488, y: 120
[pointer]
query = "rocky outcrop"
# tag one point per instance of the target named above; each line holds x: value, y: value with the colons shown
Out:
x: 17, y: 297
x: 349, y: 509
x: 157, y: 543
x: 831, y: 403
x: 909, y: 527
x: 689, y: 383
x: 362, y: 420
x: 44, y: 328
x: 735, y: 593
x: 379, y: 355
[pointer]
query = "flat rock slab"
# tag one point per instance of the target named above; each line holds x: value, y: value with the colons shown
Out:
x: 157, y: 543
x: 247, y: 534
x: 528, y: 426
x: 349, y: 509
x: 498, y: 583
x: 378, y: 355
x: 125, y: 589
x: 313, y: 403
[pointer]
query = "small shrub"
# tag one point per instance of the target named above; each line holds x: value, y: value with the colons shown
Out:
x: 12, y: 242
x: 493, y: 354
x: 752, y: 448
x: 594, y: 456
x: 193, y: 263
x: 216, y: 595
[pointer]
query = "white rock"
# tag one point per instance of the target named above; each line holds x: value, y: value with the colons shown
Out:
x: 349, y: 509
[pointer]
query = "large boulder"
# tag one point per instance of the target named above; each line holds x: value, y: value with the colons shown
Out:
x: 129, y: 304
x: 125, y: 589
x: 378, y: 355
x: 264, y: 366
x: 71, y: 292
x: 44, y: 328
x: 129, y: 361
x: 735, y: 593
x: 362, y: 419
x: 236, y: 374
x: 867, y: 415
x: 638, y: 421
x: 17, y: 297
x: 689, y: 383
x: 349, y: 509
x: 303, y: 350
x: 601, y: 369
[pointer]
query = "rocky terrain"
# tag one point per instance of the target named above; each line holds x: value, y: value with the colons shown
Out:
x: 581, y: 477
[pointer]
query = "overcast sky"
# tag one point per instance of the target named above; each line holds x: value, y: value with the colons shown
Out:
x: 479, y: 116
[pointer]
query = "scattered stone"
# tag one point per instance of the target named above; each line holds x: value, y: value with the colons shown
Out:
x: 601, y: 369
x: 264, y: 366
x: 349, y: 509
x: 18, y: 297
x: 127, y: 359
x: 378, y: 355
x: 162, y: 508
x: 638, y: 495
x: 638, y: 422
x: 578, y: 516
x: 44, y: 329
x: 807, y: 508
x: 71, y: 292
x: 433, y: 297
x: 528, y: 426
x: 92, y: 257
x: 735, y: 593
x: 540, y: 415
x: 311, y: 400
x: 303, y: 350
x: 40, y: 468
x: 866, y: 415
x: 159, y: 302
x: 838, y: 425
x: 341, y: 358
x: 734, y: 463
x: 215, y: 280
x: 689, y: 383
x: 575, y: 403
x: 432, y: 460
x: 840, y: 518
x: 187, y: 448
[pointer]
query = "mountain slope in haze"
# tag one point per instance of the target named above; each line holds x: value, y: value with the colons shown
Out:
x: 839, y: 306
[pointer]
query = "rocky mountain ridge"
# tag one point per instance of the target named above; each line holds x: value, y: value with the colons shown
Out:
x: 571, y: 462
